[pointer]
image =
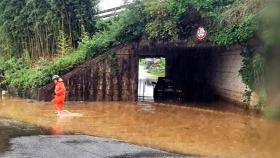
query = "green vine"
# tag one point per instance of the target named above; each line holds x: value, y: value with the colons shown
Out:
x: 252, y: 73
x: 236, y: 34
x: 247, y: 97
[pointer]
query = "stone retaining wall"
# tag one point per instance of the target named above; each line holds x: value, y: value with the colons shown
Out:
x: 224, y: 73
x: 101, y: 79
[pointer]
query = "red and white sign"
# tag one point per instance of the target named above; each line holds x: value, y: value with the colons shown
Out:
x: 201, y: 33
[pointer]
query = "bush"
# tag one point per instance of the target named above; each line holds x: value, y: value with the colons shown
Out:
x: 236, y: 34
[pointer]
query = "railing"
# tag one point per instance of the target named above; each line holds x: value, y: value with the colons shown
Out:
x: 112, y: 12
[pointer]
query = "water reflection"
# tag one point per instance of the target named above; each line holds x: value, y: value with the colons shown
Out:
x: 146, y: 89
x: 198, y: 131
x: 146, y: 107
x: 57, y: 128
x: 145, y: 86
x: 64, y: 118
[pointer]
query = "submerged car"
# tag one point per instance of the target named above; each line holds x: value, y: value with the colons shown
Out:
x: 166, y: 89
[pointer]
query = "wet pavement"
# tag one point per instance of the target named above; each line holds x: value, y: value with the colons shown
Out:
x: 216, y: 130
x: 11, y: 129
x: 21, y: 140
x: 79, y: 146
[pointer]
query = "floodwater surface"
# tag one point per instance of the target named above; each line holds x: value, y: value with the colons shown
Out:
x: 190, y: 130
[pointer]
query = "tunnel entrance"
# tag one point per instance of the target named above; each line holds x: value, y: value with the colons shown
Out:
x: 200, y: 71
x: 150, y: 69
x: 189, y: 74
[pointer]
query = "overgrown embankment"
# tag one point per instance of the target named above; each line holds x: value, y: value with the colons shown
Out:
x: 24, y: 77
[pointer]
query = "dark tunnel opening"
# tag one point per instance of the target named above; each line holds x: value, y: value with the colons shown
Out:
x: 191, y: 71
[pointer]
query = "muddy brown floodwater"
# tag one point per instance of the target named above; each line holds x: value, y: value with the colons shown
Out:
x: 211, y: 132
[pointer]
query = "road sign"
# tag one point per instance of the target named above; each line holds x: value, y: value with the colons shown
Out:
x: 201, y: 33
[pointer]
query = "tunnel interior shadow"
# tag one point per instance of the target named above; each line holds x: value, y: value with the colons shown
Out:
x: 192, y: 69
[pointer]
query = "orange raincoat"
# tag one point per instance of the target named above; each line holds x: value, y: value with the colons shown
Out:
x: 60, y: 91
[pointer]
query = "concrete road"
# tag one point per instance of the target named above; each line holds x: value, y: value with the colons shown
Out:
x: 79, y: 146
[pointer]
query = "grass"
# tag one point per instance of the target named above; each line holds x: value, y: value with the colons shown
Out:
x: 236, y: 13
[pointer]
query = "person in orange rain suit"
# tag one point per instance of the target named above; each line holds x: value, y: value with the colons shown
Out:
x: 60, y: 91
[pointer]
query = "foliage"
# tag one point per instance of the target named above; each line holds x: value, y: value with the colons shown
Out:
x: 238, y: 10
x: 85, y: 37
x: 26, y: 59
x: 126, y: 27
x: 162, y: 31
x: 170, y: 19
x: 34, y: 25
x: 247, y: 97
x: 158, y: 72
x: 237, y: 22
x: 237, y: 34
x: 252, y: 74
x: 204, y: 6
x: 154, y: 66
x: 63, y: 46
x: 164, y: 18
x: 246, y: 72
x: 102, y: 25
x: 174, y: 19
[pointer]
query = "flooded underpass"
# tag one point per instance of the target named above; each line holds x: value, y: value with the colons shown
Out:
x: 219, y: 130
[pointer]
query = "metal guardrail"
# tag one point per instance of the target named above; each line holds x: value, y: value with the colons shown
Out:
x: 112, y: 12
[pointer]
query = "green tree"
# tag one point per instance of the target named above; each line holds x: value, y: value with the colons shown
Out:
x: 26, y: 59
x: 63, y: 44
x: 85, y: 37
x: 34, y: 25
